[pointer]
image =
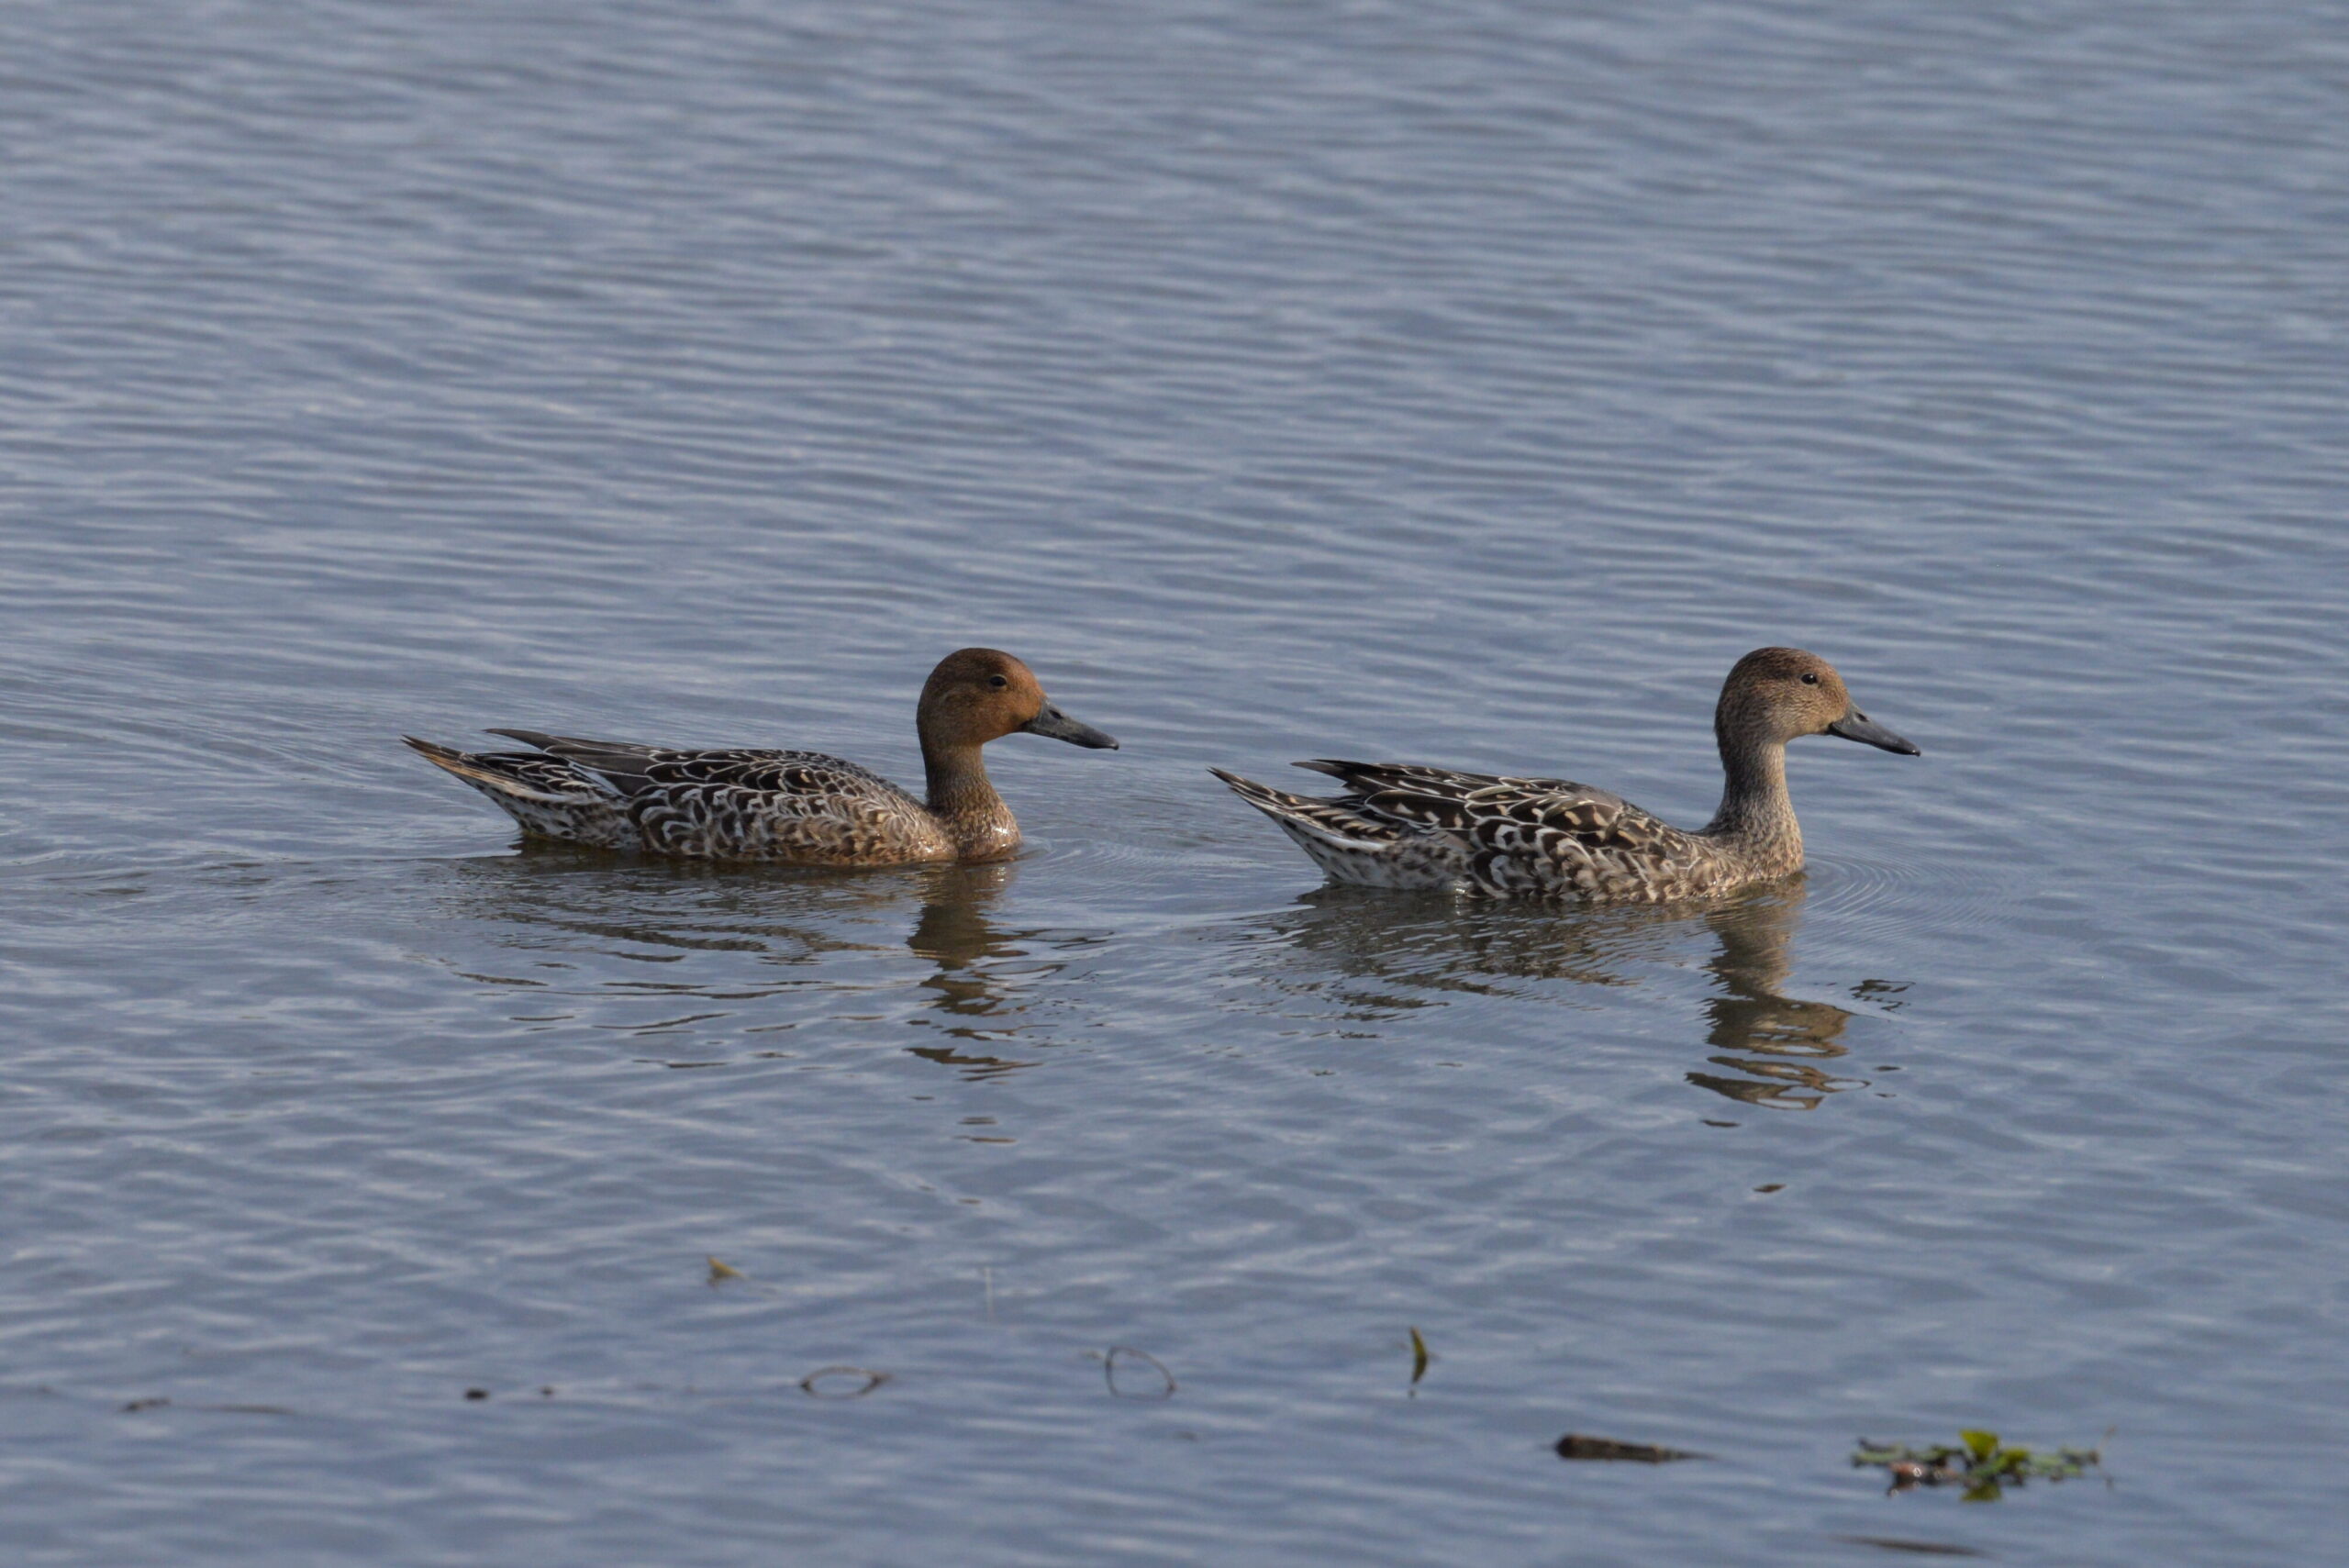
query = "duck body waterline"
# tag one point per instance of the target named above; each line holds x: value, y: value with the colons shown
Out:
x: 1405, y: 826
x: 793, y: 807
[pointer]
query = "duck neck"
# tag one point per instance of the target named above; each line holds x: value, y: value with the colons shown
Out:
x: 1756, y: 815
x: 963, y: 799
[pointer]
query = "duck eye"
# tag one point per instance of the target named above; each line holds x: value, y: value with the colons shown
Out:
x: 998, y: 681
x: 1810, y: 677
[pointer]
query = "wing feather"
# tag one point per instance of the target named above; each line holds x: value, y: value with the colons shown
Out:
x: 633, y: 769
x: 1498, y: 832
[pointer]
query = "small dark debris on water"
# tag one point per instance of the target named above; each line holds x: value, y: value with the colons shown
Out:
x: 1420, y: 1358
x: 1709, y: 1121
x: 476, y: 1393
x: 1977, y: 1461
x: 546, y: 1391
x: 160, y: 1402
x: 1771, y: 1187
x: 1575, y: 1445
x: 842, y: 1382
x: 1166, y: 1384
x: 1921, y: 1548
x: 720, y: 1272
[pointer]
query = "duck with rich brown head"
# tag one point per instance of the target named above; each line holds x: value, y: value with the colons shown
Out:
x: 801, y: 807
x: 973, y: 696
x: 1404, y: 826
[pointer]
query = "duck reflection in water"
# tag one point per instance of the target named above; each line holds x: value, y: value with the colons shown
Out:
x: 954, y: 933
x: 761, y: 935
x: 1773, y: 1050
x: 1784, y: 1037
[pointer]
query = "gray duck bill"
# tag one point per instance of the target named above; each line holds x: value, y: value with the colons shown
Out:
x: 1061, y: 727
x: 1858, y: 726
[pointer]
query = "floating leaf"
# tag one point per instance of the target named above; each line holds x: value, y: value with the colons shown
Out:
x: 720, y: 1273
x: 1977, y: 1463
x: 1420, y: 1358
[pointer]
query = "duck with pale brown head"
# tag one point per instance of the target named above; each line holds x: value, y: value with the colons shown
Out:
x: 1409, y: 827
x: 798, y: 808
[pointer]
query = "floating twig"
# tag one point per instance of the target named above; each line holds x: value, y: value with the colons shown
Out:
x: 161, y: 1402
x: 1901, y: 1543
x: 871, y: 1380
x: 1575, y: 1445
x: 1110, y: 1373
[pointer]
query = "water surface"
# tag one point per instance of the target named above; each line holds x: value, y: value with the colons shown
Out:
x: 1469, y: 386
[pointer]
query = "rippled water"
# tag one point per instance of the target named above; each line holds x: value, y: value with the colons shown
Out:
x: 1466, y: 384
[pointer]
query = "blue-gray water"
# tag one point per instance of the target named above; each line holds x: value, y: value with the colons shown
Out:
x: 1464, y: 384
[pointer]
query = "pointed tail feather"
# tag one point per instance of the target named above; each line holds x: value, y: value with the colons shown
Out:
x: 495, y: 774
x: 1329, y: 820
x: 616, y: 764
x: 1264, y: 798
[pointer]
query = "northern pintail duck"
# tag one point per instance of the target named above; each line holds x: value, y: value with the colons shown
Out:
x: 802, y: 807
x: 1400, y: 825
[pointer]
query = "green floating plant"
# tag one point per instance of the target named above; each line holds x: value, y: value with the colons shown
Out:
x: 1977, y: 1461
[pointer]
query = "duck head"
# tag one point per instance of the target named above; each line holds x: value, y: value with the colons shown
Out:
x: 1777, y: 695
x: 978, y: 695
